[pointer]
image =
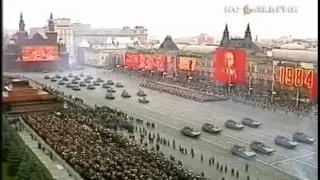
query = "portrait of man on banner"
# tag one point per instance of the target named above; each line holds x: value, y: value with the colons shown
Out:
x: 230, y: 66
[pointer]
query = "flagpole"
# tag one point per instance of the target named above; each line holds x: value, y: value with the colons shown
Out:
x: 297, y: 98
x: 273, y: 82
x: 229, y: 80
x: 250, y: 79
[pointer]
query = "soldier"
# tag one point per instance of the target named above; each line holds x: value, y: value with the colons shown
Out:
x: 192, y: 153
x: 212, y: 160
x: 225, y: 169
x: 232, y: 172
x: 201, y: 158
x: 174, y: 144
x: 143, y: 129
x: 248, y: 177
x: 209, y: 161
x: 153, y: 125
x: 247, y: 167
x: 221, y: 168
x: 157, y: 147
x: 237, y: 174
x: 217, y: 165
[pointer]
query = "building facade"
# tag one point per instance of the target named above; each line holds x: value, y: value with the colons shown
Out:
x: 35, y: 53
x: 262, y: 69
x: 65, y: 34
x: 109, y: 36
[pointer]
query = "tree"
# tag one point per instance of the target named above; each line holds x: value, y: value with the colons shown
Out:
x: 35, y: 176
x: 14, y: 158
x: 24, y: 169
x: 6, y: 139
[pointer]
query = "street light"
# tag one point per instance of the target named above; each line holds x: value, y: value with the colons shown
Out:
x: 164, y: 74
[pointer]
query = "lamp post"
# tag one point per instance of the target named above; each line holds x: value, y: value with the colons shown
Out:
x: 164, y: 75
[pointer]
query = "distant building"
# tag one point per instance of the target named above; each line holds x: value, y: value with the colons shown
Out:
x: 204, y: 39
x: 65, y: 33
x: 108, y: 36
x: 246, y: 42
x: 34, y: 30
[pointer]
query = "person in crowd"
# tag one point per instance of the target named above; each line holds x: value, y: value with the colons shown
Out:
x: 81, y: 138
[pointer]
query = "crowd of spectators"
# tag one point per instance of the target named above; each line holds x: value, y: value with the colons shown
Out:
x: 81, y: 138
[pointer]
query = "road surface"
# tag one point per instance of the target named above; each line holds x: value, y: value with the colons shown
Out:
x: 171, y: 113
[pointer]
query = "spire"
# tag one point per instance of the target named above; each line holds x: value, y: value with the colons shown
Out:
x: 21, y: 23
x: 226, y: 32
x: 225, y: 38
x: 226, y: 28
x: 248, y: 32
x: 50, y: 23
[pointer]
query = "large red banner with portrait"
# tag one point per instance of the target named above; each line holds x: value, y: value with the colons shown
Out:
x: 229, y: 66
x: 150, y: 62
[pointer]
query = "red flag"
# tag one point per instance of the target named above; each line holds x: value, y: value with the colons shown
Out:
x: 313, y: 91
x: 230, y: 66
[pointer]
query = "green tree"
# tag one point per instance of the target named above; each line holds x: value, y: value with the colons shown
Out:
x: 5, y: 144
x: 23, y: 172
x: 14, y: 158
x: 36, y: 176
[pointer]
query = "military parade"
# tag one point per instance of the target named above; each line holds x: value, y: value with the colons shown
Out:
x: 157, y: 98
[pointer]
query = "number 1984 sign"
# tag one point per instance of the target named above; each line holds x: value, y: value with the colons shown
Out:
x: 297, y: 77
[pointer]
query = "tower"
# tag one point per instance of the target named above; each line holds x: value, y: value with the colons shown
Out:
x: 21, y: 23
x: 248, y: 33
x: 225, y: 38
x: 51, y: 23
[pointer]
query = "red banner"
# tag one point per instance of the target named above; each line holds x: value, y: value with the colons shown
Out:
x: 160, y: 62
x: 230, y: 66
x: 148, y: 62
x: 187, y: 63
x: 313, y: 91
x: 40, y: 53
x: 300, y: 77
x: 131, y: 60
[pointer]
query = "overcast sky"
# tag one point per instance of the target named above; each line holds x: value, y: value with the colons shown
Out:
x: 171, y: 17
